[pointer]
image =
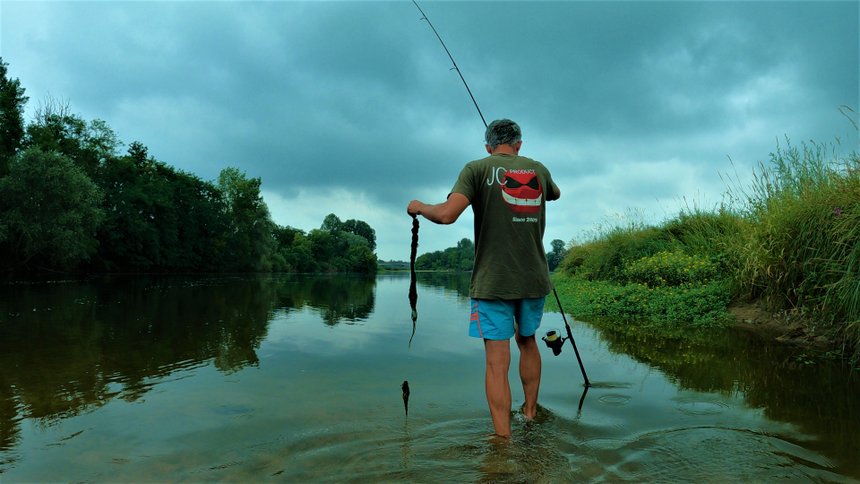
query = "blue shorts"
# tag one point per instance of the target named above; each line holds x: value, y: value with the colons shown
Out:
x: 495, y: 318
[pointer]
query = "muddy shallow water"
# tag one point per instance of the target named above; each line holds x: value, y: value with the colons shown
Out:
x: 298, y: 378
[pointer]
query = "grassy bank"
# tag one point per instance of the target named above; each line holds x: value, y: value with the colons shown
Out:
x: 789, y: 241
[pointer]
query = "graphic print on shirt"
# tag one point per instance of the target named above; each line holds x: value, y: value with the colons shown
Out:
x: 522, y: 191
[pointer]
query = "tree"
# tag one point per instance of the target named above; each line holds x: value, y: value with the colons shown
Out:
x: 49, y: 212
x: 344, y: 246
x: 362, y: 229
x: 159, y: 218
x: 331, y: 223
x: 12, y: 100
x: 459, y: 258
x: 299, y: 256
x: 249, y: 240
x: 138, y: 152
x: 55, y: 128
x: 293, y: 248
x: 359, y: 257
x: 556, y: 255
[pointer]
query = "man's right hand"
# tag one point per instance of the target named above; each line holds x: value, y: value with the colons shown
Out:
x: 414, y: 208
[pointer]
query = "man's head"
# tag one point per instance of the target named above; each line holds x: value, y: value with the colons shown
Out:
x: 503, y: 132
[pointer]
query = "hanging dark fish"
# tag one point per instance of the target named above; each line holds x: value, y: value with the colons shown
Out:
x: 405, y: 388
x: 413, y: 291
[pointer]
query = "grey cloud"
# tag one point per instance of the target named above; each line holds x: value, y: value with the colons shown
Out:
x: 359, y: 95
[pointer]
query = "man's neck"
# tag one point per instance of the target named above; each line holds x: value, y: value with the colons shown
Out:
x: 504, y: 150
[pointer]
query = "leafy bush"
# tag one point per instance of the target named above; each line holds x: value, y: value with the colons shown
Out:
x: 605, y: 258
x: 669, y: 308
x: 708, y: 233
x: 49, y: 211
x: 670, y: 268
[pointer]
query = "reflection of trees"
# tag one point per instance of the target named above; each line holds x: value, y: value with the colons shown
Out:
x: 821, y: 398
x: 336, y: 297
x: 452, y: 281
x: 66, y: 348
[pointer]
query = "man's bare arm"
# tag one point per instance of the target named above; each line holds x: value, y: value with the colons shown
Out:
x: 445, y: 213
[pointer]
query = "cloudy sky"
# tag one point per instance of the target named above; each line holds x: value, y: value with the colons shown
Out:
x: 351, y: 108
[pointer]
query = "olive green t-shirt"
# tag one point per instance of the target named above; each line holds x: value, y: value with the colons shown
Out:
x: 508, y: 195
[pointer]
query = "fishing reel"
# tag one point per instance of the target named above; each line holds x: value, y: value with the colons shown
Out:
x: 554, y: 341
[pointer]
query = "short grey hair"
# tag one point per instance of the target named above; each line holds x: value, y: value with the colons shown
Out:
x: 503, y: 132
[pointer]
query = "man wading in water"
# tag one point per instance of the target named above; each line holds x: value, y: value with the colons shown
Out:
x: 510, y: 280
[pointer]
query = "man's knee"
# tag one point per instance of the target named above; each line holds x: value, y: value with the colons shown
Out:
x: 526, y: 342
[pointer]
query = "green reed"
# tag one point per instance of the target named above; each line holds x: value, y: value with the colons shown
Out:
x: 800, y: 250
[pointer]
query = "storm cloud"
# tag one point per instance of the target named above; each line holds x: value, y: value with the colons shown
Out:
x: 351, y: 107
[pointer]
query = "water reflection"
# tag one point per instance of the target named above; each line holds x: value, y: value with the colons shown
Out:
x: 337, y: 298
x: 822, y: 398
x: 244, y: 351
x: 453, y: 282
x: 67, y: 348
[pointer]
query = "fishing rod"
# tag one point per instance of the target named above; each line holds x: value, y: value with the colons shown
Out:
x: 453, y: 62
x: 552, y: 339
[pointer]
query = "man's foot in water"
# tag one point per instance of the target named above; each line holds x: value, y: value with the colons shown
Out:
x: 529, y: 416
x: 540, y: 414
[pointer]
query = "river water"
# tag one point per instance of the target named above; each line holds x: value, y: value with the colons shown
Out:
x: 291, y: 378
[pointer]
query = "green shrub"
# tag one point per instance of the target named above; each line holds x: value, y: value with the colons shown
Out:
x: 711, y: 234
x: 670, y: 308
x: 670, y: 268
x: 605, y: 258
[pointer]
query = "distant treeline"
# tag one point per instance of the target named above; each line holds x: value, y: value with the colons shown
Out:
x: 459, y: 258
x: 69, y: 201
x: 462, y: 257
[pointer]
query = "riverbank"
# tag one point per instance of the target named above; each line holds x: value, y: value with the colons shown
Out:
x: 788, y: 242
x: 695, y: 316
x: 787, y: 327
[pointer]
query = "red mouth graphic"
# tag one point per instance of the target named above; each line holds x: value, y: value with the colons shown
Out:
x: 522, y: 191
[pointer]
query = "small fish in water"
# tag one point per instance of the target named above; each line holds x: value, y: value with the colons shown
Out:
x: 405, y: 388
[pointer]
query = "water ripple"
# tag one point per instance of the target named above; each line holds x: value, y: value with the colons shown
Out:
x: 706, y: 453
x: 614, y: 399
x: 701, y: 407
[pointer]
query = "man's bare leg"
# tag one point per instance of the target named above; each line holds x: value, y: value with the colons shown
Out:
x: 530, y: 369
x: 497, y: 386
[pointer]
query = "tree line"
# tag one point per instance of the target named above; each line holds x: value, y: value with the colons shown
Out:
x: 462, y: 257
x: 70, y: 201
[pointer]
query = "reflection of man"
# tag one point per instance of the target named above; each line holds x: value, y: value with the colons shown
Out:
x: 510, y: 280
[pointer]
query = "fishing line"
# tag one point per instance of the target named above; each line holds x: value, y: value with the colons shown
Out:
x: 559, y: 341
x: 424, y: 17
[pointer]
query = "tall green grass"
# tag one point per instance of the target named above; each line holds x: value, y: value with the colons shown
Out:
x: 800, y: 244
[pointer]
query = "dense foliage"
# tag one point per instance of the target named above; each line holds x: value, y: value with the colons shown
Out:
x: 70, y: 201
x: 462, y: 257
x: 556, y: 255
x: 790, y: 242
x: 799, y: 245
x: 459, y: 258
